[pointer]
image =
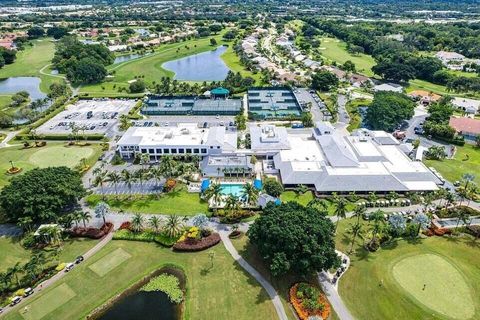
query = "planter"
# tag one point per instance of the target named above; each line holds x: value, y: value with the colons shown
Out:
x: 197, y: 245
x: 235, y: 234
x: 298, y: 304
x: 14, y: 170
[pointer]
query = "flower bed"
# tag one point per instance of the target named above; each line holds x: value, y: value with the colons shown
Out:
x: 235, y: 234
x: 14, y: 170
x: 92, y: 233
x: 191, y: 245
x: 441, y: 231
x: 146, y: 236
x: 308, y: 301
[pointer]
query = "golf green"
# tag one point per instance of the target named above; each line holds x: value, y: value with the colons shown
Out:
x: 60, y: 156
x: 48, y: 302
x: 110, y: 262
x: 436, y: 283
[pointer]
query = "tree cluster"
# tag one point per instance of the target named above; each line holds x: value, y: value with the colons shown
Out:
x: 388, y: 110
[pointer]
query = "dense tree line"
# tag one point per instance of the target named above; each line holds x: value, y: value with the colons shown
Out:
x: 7, y: 56
x: 81, y: 63
x: 388, y: 110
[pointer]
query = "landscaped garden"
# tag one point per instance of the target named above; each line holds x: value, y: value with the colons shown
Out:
x: 410, y: 278
x: 305, y: 198
x: 213, y: 279
x: 53, y: 154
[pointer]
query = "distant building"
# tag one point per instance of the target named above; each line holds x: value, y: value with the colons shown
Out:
x: 392, y: 87
x: 467, y: 127
x: 424, y: 97
x: 226, y: 165
x: 469, y: 106
x: 447, y: 57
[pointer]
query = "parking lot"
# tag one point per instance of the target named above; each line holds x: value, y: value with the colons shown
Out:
x: 95, y: 116
x: 319, y: 110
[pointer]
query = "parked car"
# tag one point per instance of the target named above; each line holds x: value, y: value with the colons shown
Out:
x: 418, y: 130
x: 28, y: 292
x: 69, y: 267
x: 297, y: 126
x: 15, y: 300
x: 78, y: 259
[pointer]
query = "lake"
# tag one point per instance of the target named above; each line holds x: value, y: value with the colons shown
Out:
x: 205, y: 66
x: 127, y: 57
x: 15, y: 84
x: 143, y: 305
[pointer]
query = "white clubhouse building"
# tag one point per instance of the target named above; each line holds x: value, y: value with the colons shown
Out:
x: 324, y: 159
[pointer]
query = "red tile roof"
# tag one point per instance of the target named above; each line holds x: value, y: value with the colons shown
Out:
x: 465, y: 125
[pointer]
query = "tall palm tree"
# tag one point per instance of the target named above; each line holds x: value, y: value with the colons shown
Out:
x: 139, y: 175
x: 156, y: 174
x: 114, y: 178
x: 232, y: 203
x: 251, y: 193
x: 154, y: 223
x: 214, y: 192
x: 173, y: 226
x: 137, y: 222
x: 128, y: 178
x: 85, y: 216
x: 144, y: 160
x: 358, y: 212
x: 377, y: 217
x: 355, y: 230
x: 101, y: 210
x: 340, y: 210
x: 167, y: 166
x: 99, y: 181
x: 14, y: 271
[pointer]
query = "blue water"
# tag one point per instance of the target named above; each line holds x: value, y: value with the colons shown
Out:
x: 205, y: 66
x: 234, y: 189
x: 15, y: 84
x: 127, y: 57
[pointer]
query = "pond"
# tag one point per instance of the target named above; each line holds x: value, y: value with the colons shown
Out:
x: 143, y: 305
x: 127, y: 57
x: 205, y: 66
x: 15, y: 84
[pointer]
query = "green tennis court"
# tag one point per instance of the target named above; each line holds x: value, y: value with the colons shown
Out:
x: 109, y: 262
x: 48, y: 302
x: 435, y: 283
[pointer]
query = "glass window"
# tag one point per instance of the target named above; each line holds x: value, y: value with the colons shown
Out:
x: 181, y: 150
x: 196, y: 150
x: 189, y: 150
x: 204, y: 150
x: 144, y: 150
x: 151, y: 151
x: 166, y: 151
x: 174, y: 151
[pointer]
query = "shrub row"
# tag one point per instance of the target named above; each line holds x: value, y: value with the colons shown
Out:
x: 146, y: 236
x: 61, y: 137
x: 93, y: 233
x: 191, y: 245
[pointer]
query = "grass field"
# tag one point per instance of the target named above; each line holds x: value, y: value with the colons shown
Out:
x: 5, y: 101
x: 49, y: 302
x: 373, y: 275
x: 417, y: 84
x: 150, y: 67
x: 53, y: 154
x: 444, y: 290
x: 221, y: 291
x: 335, y: 50
x: 110, y: 262
x: 178, y: 202
x: 305, y: 198
x: 30, y: 61
x: 355, y: 117
x: 453, y: 169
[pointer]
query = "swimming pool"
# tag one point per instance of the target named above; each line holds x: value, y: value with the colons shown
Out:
x: 232, y: 189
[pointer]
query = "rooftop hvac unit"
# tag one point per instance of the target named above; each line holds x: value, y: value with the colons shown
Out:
x: 185, y: 131
x: 169, y: 135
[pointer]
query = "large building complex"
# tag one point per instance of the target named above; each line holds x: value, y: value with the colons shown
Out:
x: 183, y: 140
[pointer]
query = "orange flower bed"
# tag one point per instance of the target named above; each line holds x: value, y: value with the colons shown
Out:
x: 302, y: 312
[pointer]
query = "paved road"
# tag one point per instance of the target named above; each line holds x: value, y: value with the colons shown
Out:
x: 277, y: 303
x: 343, y: 119
x: 47, y: 283
x: 332, y: 294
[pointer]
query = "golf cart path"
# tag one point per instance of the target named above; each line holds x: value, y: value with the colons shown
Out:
x: 49, y: 282
x: 254, y: 273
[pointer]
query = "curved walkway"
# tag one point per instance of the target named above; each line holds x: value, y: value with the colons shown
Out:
x: 282, y: 315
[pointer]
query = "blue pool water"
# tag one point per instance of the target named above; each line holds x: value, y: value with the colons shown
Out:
x: 234, y: 189
x: 205, y: 66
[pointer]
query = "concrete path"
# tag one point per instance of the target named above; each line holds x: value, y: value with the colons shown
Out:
x: 332, y: 294
x: 9, y: 136
x: 254, y: 273
x: 49, y: 282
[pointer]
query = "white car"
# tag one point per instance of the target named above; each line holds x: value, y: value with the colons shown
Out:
x: 69, y: 266
x: 15, y: 300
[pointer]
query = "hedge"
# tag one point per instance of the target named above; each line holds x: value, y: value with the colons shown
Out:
x: 93, y: 233
x: 191, y: 245
x: 146, y: 236
x: 62, y: 137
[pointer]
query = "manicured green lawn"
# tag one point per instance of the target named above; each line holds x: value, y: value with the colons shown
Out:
x: 178, y: 201
x: 53, y: 154
x: 305, y: 198
x: 352, y: 109
x: 30, y: 61
x: 11, y: 252
x: 5, y: 101
x: 389, y: 284
x: 233, y: 63
x: 281, y: 284
x: 453, y: 169
x: 335, y: 50
x: 221, y: 291
x: 417, y: 84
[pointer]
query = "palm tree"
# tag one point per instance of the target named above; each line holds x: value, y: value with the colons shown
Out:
x: 13, y: 272
x: 85, y: 216
x: 251, y: 193
x: 154, y: 223
x: 340, y: 210
x: 214, y: 192
x: 167, y: 166
x: 140, y: 176
x: 99, y: 180
x: 114, y: 178
x: 232, y: 204
x: 378, y: 219
x: 137, y: 222
x: 128, y: 178
x: 318, y: 204
x: 144, y: 160
x: 173, y: 226
x: 355, y: 230
x: 156, y: 174
x: 450, y: 197
x: 358, y: 212
x: 101, y: 210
